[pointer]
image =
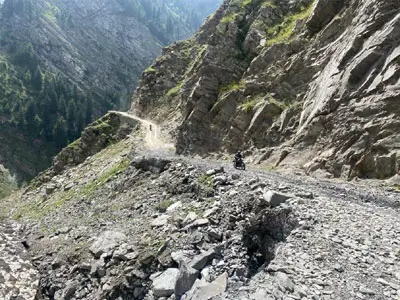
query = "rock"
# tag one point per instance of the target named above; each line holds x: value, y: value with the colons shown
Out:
x: 210, y: 172
x: 197, y: 223
x: 164, y: 284
x: 366, y: 291
x: 106, y: 242
x: 205, y: 274
x: 174, y: 207
x: 220, y: 180
x: 284, y: 281
x: 69, y: 290
x: 191, y: 216
x: 186, y: 278
x: 160, y: 221
x: 203, y: 290
x: 210, y: 212
x: 97, y: 269
x: 305, y: 195
x: 152, y: 164
x: 338, y: 268
x: 215, y: 235
x: 275, y: 199
x: 17, y: 273
x: 201, y: 260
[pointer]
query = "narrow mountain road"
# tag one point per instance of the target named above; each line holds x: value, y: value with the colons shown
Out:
x: 153, y: 135
x: 345, y: 190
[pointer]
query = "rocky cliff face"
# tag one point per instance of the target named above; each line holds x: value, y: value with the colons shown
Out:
x: 308, y: 83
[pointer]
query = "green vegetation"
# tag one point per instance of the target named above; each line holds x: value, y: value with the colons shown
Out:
x: 150, y: 70
x: 51, y: 12
x: 7, y: 183
x: 229, y: 18
x: 283, y: 31
x: 249, y: 105
x: 162, y: 206
x: 270, y: 3
x: 175, y: 90
x: 206, y: 180
x: 41, y: 105
x: 245, y: 3
x: 233, y: 86
x: 167, y: 20
x: 94, y: 185
x: 41, y: 208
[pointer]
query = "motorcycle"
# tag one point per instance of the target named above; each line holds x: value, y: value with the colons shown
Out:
x: 239, y: 164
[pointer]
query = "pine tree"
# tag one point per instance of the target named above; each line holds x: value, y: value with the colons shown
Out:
x: 60, y: 134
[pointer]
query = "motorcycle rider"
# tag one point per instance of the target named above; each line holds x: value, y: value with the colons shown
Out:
x: 238, y: 157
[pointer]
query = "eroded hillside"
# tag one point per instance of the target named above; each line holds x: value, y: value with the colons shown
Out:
x: 292, y: 81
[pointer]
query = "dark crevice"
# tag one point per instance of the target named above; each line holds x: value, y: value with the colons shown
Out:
x: 269, y: 228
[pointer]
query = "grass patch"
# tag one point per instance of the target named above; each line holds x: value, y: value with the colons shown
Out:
x: 94, y: 185
x: 162, y: 206
x: 229, y: 18
x: 269, y: 4
x: 248, y: 106
x: 283, y: 31
x: 233, y: 86
x: 175, y: 90
x: 39, y: 209
x: 245, y: 3
x: 206, y: 180
x: 150, y: 70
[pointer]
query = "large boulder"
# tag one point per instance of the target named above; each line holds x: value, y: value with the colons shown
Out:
x: 202, y: 290
x: 186, y: 278
x: 106, y: 242
x: 164, y: 284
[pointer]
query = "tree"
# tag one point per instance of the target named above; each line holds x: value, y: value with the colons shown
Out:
x: 37, y: 78
x: 60, y: 134
x: 30, y: 112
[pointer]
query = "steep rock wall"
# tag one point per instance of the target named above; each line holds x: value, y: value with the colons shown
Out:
x: 307, y: 83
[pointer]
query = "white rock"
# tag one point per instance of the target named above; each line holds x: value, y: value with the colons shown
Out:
x: 106, y: 242
x: 160, y: 221
x: 174, y: 207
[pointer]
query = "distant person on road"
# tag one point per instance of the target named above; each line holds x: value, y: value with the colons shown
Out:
x: 238, y: 156
x: 150, y: 127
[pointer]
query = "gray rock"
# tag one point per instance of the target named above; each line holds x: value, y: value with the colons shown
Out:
x: 201, y: 260
x: 191, y: 216
x: 160, y: 221
x: 186, y: 278
x: 202, y: 290
x: 284, y: 281
x: 338, y: 268
x: 222, y: 179
x: 210, y: 172
x: 366, y: 291
x: 106, y: 242
x: 275, y: 199
x: 164, y: 284
x: 174, y: 207
x: 69, y: 290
